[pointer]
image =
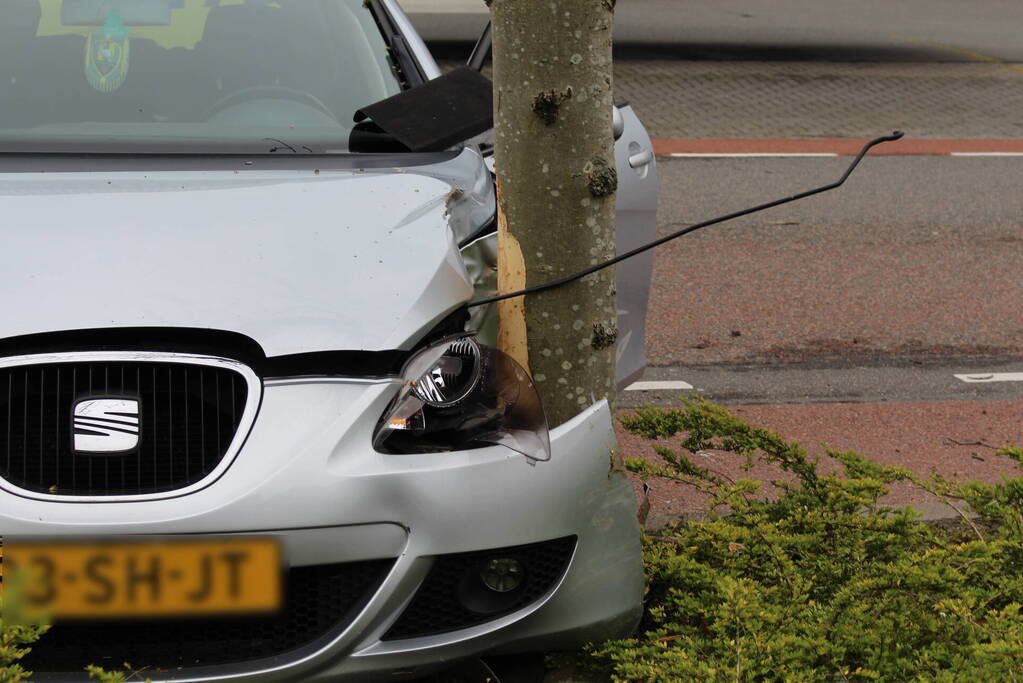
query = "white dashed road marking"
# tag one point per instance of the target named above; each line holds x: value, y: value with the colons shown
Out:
x: 979, y: 377
x: 659, y: 386
x: 986, y: 154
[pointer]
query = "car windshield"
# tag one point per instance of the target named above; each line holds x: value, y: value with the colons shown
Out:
x: 191, y: 76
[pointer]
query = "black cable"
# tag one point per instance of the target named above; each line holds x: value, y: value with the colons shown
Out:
x: 692, y: 228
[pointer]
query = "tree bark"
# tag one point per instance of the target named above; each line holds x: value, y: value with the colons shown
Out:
x: 554, y: 153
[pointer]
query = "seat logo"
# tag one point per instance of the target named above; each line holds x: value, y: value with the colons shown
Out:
x: 106, y: 425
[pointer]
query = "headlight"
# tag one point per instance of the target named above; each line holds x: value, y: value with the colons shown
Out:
x: 457, y: 395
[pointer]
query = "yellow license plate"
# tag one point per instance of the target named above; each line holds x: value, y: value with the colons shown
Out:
x: 151, y: 578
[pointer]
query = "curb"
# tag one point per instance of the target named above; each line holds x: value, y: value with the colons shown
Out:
x: 833, y: 147
x: 929, y: 512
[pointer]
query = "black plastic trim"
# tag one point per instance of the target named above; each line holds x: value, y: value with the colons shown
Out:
x: 232, y: 345
x: 72, y: 162
x: 488, y: 228
x: 217, y: 343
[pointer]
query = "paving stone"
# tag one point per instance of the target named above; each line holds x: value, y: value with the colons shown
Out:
x: 734, y: 99
x: 820, y: 99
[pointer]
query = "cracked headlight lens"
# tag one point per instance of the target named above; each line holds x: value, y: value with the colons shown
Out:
x: 448, y: 380
x: 458, y: 395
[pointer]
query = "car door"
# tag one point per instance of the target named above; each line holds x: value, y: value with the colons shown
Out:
x: 637, y: 225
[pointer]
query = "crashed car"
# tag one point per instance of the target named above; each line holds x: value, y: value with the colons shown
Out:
x: 248, y: 427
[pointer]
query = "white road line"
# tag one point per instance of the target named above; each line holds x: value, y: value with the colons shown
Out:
x: 987, y: 154
x: 981, y: 377
x: 659, y: 386
x: 765, y: 155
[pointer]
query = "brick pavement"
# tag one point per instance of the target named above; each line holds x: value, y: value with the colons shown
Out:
x: 820, y: 99
x: 744, y: 99
x: 956, y: 440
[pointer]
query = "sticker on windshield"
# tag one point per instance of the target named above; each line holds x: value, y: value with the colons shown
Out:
x: 106, y: 55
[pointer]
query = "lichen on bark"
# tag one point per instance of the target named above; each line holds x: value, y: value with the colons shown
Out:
x: 547, y: 104
x: 601, y: 178
x: 604, y: 337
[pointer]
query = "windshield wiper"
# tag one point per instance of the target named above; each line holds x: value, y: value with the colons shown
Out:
x: 400, y: 52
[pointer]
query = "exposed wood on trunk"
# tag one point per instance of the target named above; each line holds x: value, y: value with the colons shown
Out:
x: 511, y: 277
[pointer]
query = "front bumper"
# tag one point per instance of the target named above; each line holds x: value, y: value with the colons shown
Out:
x: 308, y: 475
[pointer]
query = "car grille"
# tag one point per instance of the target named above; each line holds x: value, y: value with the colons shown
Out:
x: 452, y: 596
x: 189, y: 414
x: 320, y: 602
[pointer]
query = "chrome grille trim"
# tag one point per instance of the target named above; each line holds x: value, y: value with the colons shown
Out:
x: 253, y: 399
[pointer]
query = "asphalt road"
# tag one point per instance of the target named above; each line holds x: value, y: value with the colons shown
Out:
x: 952, y: 379
x: 913, y: 260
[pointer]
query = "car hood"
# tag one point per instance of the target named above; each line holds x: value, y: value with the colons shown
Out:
x: 298, y: 260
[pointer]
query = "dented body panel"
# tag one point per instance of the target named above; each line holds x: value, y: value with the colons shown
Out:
x: 285, y: 257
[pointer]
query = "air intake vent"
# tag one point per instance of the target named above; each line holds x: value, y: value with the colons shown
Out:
x: 107, y: 424
x: 453, y: 596
x: 321, y: 602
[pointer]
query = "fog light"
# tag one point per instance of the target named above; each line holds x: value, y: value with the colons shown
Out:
x: 502, y: 574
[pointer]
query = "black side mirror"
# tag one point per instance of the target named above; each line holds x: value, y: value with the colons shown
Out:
x: 431, y: 117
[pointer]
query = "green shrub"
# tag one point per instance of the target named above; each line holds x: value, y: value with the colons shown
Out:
x: 14, y: 642
x: 820, y: 582
x: 16, y: 633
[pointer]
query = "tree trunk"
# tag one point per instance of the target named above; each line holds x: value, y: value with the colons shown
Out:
x: 556, y: 194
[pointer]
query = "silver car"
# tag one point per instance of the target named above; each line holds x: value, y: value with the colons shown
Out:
x: 246, y: 431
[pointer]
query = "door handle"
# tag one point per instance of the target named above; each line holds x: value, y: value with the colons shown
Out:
x: 641, y: 159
